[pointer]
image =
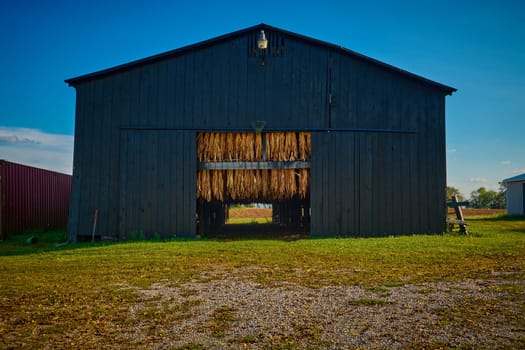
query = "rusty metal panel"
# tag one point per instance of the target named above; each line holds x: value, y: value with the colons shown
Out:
x: 32, y: 199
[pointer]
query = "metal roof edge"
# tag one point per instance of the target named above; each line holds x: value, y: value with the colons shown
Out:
x: 202, y: 44
x: 448, y: 89
x: 158, y: 57
x: 516, y: 178
x: 8, y: 162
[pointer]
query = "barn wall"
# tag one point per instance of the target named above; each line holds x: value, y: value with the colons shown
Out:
x: 105, y: 108
x: 96, y: 158
x: 223, y: 87
x: 386, y: 182
x: 360, y: 184
x: 379, y: 183
x: 220, y: 86
x: 157, y: 184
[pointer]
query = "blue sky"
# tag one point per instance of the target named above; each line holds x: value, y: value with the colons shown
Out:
x: 477, y: 47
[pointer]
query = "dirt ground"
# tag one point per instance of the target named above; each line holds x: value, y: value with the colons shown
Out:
x: 251, y: 213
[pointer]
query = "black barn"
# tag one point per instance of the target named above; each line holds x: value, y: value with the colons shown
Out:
x: 377, y: 163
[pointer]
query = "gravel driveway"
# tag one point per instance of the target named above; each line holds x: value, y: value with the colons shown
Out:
x: 236, y: 313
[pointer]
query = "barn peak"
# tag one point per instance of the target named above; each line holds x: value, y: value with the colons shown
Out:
x: 253, y: 29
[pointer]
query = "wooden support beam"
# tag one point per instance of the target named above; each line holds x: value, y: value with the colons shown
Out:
x: 269, y: 129
x: 460, y: 220
x: 252, y: 165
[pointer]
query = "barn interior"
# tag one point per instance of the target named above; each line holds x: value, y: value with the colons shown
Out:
x: 271, y: 168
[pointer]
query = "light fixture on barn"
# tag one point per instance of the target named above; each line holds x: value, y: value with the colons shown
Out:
x: 262, y: 44
x: 258, y: 126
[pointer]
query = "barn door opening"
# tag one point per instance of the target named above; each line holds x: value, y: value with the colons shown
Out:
x: 249, y: 213
x: 266, y: 169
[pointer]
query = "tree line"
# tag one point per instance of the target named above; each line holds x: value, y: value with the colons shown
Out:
x: 481, y: 198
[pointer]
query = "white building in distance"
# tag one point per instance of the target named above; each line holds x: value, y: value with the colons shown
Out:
x: 515, y: 194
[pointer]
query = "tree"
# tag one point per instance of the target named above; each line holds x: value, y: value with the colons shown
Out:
x: 481, y: 198
x: 451, y: 191
x: 500, y: 201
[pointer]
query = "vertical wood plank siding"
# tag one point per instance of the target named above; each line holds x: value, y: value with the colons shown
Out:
x: 157, y: 184
x: 362, y: 184
x: 384, y: 183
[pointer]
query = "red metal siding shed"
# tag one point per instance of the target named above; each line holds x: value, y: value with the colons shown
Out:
x: 32, y: 198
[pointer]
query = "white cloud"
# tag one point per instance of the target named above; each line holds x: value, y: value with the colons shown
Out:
x: 477, y: 180
x: 451, y: 150
x: 15, y: 139
x: 505, y: 162
x: 37, y: 148
x: 518, y: 171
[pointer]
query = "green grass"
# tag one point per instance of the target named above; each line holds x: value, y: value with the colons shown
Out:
x: 242, y: 221
x: 48, y: 291
x: 221, y: 321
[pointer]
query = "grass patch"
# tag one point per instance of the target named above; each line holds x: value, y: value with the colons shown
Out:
x: 248, y: 339
x: 72, y: 296
x: 380, y: 290
x: 221, y: 321
x: 425, y: 291
x: 247, y: 221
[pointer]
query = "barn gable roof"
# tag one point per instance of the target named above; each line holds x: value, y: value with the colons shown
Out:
x: 517, y: 178
x: 206, y: 43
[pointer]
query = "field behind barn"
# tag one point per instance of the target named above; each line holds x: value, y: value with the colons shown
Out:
x: 423, y: 291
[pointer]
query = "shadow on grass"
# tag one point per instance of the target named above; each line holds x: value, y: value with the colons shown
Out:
x: 57, y: 240
x: 42, y: 242
x: 35, y: 242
